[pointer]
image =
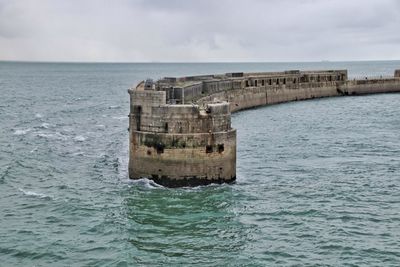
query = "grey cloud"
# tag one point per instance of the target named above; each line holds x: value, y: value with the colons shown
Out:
x: 207, y: 30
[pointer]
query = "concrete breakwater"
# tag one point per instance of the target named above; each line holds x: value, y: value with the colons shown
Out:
x: 180, y: 128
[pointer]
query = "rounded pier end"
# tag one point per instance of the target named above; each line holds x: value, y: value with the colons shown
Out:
x: 179, y: 145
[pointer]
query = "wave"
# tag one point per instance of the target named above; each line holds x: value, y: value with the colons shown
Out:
x: 57, y: 135
x: 45, y: 125
x: 120, y: 118
x: 146, y: 183
x: 22, y: 131
x: 34, y: 194
x: 79, y: 138
x: 150, y: 184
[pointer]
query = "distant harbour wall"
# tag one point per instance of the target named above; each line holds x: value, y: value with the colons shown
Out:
x: 180, y: 128
x: 251, y: 97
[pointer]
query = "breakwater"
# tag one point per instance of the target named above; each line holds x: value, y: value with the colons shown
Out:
x: 180, y: 128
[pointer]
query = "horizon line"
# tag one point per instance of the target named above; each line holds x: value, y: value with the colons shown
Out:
x: 191, y: 62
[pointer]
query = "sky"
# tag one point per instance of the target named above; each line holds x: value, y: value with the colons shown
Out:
x: 199, y: 30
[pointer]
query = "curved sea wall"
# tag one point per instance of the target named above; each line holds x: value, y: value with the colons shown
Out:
x: 180, y: 128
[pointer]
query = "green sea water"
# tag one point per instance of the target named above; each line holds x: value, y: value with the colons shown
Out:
x: 318, y: 182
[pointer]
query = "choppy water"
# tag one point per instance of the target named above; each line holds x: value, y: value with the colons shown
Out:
x: 318, y: 181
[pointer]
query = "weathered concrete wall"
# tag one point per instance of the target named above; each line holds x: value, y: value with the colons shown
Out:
x: 180, y: 145
x: 184, y: 160
x: 360, y: 87
x: 198, y: 87
x: 192, y: 92
x: 181, y: 118
x: 250, y: 97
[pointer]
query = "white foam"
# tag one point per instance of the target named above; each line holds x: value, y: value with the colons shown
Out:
x: 38, y: 115
x: 45, y: 125
x: 79, y: 138
x: 120, y: 118
x: 147, y: 183
x: 44, y: 135
x: 22, y: 131
x: 57, y: 136
x: 33, y: 194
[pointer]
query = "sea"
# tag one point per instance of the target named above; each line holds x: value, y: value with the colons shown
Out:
x: 318, y: 181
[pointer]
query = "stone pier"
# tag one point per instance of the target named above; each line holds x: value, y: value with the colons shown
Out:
x: 180, y: 128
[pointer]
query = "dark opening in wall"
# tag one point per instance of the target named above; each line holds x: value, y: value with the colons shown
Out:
x: 255, y: 83
x: 284, y: 81
x: 294, y: 80
x: 270, y: 81
x: 166, y: 127
x: 138, y: 112
x: 220, y: 148
x: 209, y: 149
x: 247, y: 83
x: 277, y: 81
x: 262, y: 82
x: 160, y: 148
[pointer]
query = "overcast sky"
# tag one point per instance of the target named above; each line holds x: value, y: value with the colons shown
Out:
x: 199, y: 30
